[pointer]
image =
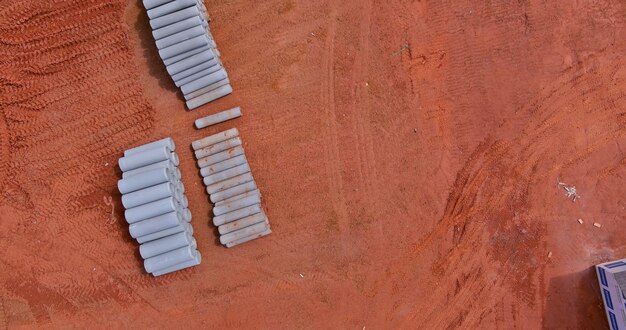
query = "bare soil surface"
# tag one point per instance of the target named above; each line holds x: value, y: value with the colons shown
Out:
x: 408, y: 152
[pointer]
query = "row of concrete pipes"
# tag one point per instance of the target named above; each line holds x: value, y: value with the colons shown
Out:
x: 156, y: 207
x: 188, y: 50
x: 225, y: 171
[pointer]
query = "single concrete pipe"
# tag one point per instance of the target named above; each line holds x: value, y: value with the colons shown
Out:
x: 240, y: 196
x: 150, y: 210
x: 144, y: 180
x: 162, y: 164
x: 144, y: 158
x: 249, y: 238
x: 168, y: 141
x: 169, y: 259
x: 191, y: 263
x: 217, y: 118
x: 156, y: 224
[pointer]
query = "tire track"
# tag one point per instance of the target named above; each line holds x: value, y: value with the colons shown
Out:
x: 331, y: 150
x: 484, y: 218
x: 72, y: 102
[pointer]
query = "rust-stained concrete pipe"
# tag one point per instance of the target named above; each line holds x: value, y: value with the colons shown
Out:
x: 215, y: 138
x: 229, y: 183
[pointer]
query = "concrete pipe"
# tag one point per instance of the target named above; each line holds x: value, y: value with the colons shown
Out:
x: 174, y: 158
x: 187, y: 215
x: 185, y: 55
x: 185, y: 226
x: 144, y: 158
x: 191, y: 263
x: 209, y: 97
x: 249, y: 238
x: 184, y: 46
x: 169, y: 259
x: 150, y: 210
x: 172, y: 29
x: 240, y: 196
x: 217, y: 118
x: 184, y: 202
x: 149, y: 4
x: 218, y: 147
x: 156, y: 224
x: 168, y: 141
x: 180, y: 36
x: 236, y: 204
x: 204, y: 81
x: 170, y: 7
x: 175, y: 17
x: 244, y: 232
x: 165, y: 244
x: 144, y: 180
x: 162, y: 164
x: 199, y: 74
x: 178, y: 194
x: 181, y: 186
x: 198, y: 68
x: 222, y: 166
x: 149, y: 194
x: 229, y: 183
x: 177, y: 174
x: 236, y: 215
x: 242, y: 223
x: 191, y: 62
x: 233, y: 191
x: 227, y: 174
x: 219, y: 157
x: 215, y: 138
x: 206, y: 89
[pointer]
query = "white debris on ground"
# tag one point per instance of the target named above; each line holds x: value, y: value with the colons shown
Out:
x: 570, y: 192
x: 597, y: 225
x: 580, y: 221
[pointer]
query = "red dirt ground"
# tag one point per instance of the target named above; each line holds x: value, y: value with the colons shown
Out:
x: 408, y: 153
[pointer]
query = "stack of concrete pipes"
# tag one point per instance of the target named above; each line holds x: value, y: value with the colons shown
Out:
x: 156, y: 207
x: 237, y: 201
x: 187, y: 48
